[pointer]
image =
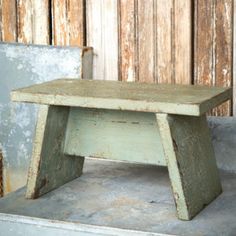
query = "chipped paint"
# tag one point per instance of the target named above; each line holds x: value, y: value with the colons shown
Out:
x: 24, y: 65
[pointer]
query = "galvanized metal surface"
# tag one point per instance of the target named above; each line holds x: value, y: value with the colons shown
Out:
x: 24, y: 65
x: 15, y: 225
x: 127, y: 196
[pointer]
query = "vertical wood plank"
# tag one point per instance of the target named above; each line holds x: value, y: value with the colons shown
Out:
x: 68, y: 22
x: 8, y: 21
x: 127, y: 40
x: 102, y: 34
x: 146, y: 43
x: 182, y: 45
x: 223, y: 50
x: 41, y: 34
x: 213, y: 46
x: 25, y: 21
x: 59, y: 22
x: 203, y: 38
x: 165, y: 67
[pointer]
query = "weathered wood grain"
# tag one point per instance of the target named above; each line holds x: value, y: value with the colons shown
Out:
x: 190, y: 160
x: 25, y: 21
x: 8, y: 21
x: 40, y: 18
x: 128, y: 51
x: 68, y: 22
x: 115, y: 135
x: 182, y: 36
x: 165, y: 70
x: 155, y: 41
x: 102, y: 34
x: 224, y: 54
x: 213, y: 46
x: 50, y: 167
x: 164, y: 98
x: 146, y: 41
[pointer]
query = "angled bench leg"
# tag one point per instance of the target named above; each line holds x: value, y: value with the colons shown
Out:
x: 50, y: 167
x: 191, y: 163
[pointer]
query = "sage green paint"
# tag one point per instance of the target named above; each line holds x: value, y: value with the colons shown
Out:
x: 158, y: 98
x: 191, y: 163
x: 118, y: 135
x: 50, y: 167
x: 136, y: 122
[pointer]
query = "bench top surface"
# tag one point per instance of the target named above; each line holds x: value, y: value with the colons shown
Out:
x: 164, y: 98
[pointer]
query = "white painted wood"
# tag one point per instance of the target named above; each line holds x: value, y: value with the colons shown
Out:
x: 40, y: 16
x: 102, y: 35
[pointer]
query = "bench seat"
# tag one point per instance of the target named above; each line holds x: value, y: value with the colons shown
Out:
x: 135, y: 122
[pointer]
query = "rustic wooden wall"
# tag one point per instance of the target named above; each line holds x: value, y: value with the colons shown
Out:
x: 213, y: 46
x: 134, y: 40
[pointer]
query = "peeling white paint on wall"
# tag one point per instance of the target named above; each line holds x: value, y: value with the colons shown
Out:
x: 23, y: 65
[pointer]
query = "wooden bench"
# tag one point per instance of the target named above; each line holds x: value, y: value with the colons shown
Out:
x: 136, y: 122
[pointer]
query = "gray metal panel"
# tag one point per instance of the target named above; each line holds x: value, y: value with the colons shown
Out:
x: 24, y: 65
x: 15, y: 225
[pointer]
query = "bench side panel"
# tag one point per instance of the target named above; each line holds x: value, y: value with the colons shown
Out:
x: 117, y: 135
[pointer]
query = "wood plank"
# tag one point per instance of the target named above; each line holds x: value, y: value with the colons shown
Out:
x: 49, y: 167
x: 8, y: 21
x: 116, y: 135
x: 165, y: 67
x: 213, y: 46
x: 102, y: 34
x: 194, y: 100
x: 224, y: 45
x: 25, y: 21
x: 127, y: 40
x: 40, y: 18
x: 68, y: 22
x: 183, y: 40
x: 203, y: 41
x: 146, y: 41
x: 191, y: 164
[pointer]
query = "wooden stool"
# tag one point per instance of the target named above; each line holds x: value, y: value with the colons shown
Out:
x: 136, y: 122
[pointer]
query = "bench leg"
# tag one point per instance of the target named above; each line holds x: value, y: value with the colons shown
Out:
x: 191, y: 163
x: 50, y: 167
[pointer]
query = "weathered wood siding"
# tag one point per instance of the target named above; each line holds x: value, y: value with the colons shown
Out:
x: 155, y: 41
x: 162, y: 41
x: 213, y: 44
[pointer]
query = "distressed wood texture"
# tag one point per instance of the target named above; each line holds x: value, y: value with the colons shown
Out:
x: 165, y: 98
x: 8, y: 20
x: 191, y: 163
x: 155, y: 41
x: 102, y: 34
x: 213, y: 40
x: 116, y: 120
x: 68, y: 22
x: 50, y: 167
x: 117, y: 135
x: 33, y: 21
